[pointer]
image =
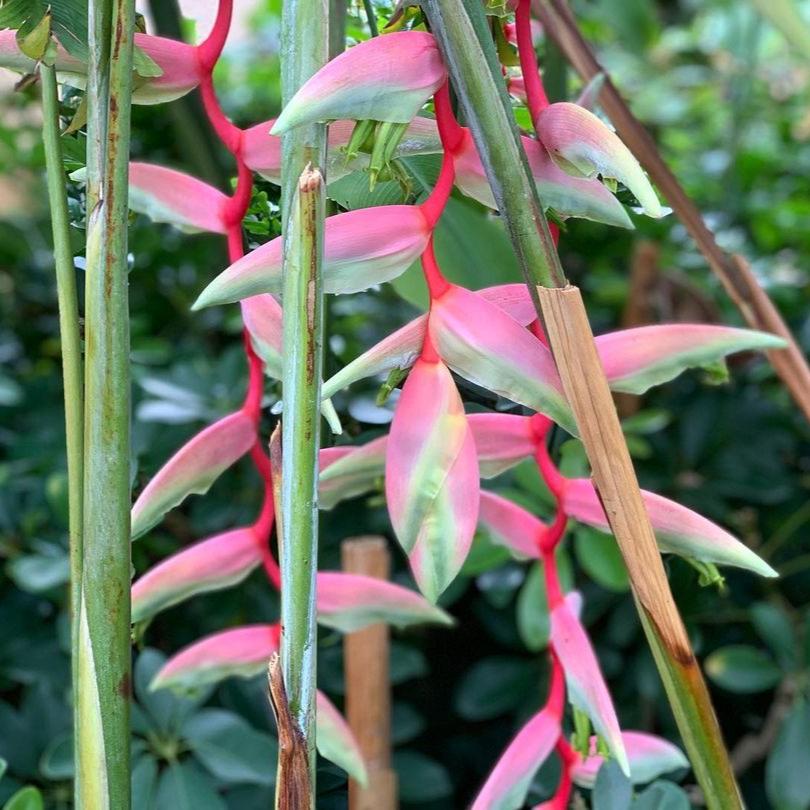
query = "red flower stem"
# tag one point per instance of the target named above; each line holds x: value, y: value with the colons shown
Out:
x: 569, y: 758
x: 536, y: 98
x: 208, y: 53
x: 451, y: 135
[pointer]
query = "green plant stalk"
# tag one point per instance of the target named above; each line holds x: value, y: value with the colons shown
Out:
x: 70, y: 339
x: 102, y: 751
x: 304, y: 50
x: 473, y: 67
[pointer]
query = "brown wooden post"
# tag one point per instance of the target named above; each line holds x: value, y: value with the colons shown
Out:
x: 368, y: 694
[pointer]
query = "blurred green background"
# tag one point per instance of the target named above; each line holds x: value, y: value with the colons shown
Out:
x: 727, y: 99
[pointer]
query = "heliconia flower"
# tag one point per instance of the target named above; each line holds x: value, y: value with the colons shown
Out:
x: 649, y: 757
x: 261, y: 151
x: 346, y: 472
x: 177, y: 61
x: 510, y: 779
x: 583, y: 146
x: 361, y: 248
x: 387, y: 78
x: 401, y: 348
x: 213, y: 564
x: 586, y: 685
x: 193, y: 468
x: 335, y: 741
x: 349, y: 602
x: 566, y: 195
x: 510, y: 525
x: 637, y: 359
x: 501, y: 441
x: 485, y: 345
x: 166, y: 195
x: 431, y: 477
x: 243, y: 651
x: 677, y: 529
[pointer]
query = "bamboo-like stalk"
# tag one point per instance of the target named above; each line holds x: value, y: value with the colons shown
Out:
x: 465, y: 42
x: 303, y: 354
x: 739, y: 282
x: 102, y: 749
x: 70, y: 339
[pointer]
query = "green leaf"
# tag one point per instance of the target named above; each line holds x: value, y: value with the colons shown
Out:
x: 787, y: 777
x: 742, y: 669
x: 144, y: 782
x: 186, y: 787
x: 57, y: 759
x: 532, y: 610
x: 494, y: 686
x: 612, y: 790
x: 472, y: 249
x: 662, y: 796
x: 598, y: 554
x: 38, y: 573
x: 774, y: 627
x: 230, y: 749
x: 352, y: 191
x: 28, y: 798
x: 421, y: 779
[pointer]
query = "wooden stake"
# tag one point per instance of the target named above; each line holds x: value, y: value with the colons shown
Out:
x: 739, y: 282
x: 368, y: 694
x: 585, y: 386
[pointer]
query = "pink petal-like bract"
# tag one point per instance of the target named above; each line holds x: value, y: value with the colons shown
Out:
x: 431, y: 477
x: 177, y: 61
x: 193, y: 468
x: 351, y: 473
x: 262, y: 317
x: 678, y: 530
x: 166, y: 195
x: 212, y: 564
x: 485, y: 345
x: 510, y: 525
x: 386, y: 78
x: 501, y: 441
x: 585, y: 147
x: 512, y: 776
x: 649, y: 757
x: 586, y: 685
x: 361, y: 248
x: 566, y: 195
x: 349, y: 602
x: 401, y: 348
x: 637, y: 359
x: 242, y: 651
x: 335, y: 740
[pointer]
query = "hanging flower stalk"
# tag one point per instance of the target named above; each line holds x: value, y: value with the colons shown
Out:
x: 433, y: 456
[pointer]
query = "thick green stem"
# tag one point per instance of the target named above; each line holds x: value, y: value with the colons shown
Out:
x: 103, y: 767
x: 70, y: 338
x: 462, y: 34
x: 304, y: 50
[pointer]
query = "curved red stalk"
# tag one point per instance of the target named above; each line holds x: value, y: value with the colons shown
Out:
x: 451, y: 135
x: 208, y: 52
x: 536, y: 98
x: 569, y: 758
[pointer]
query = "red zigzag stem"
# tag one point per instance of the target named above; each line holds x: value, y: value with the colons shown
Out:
x: 208, y: 53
